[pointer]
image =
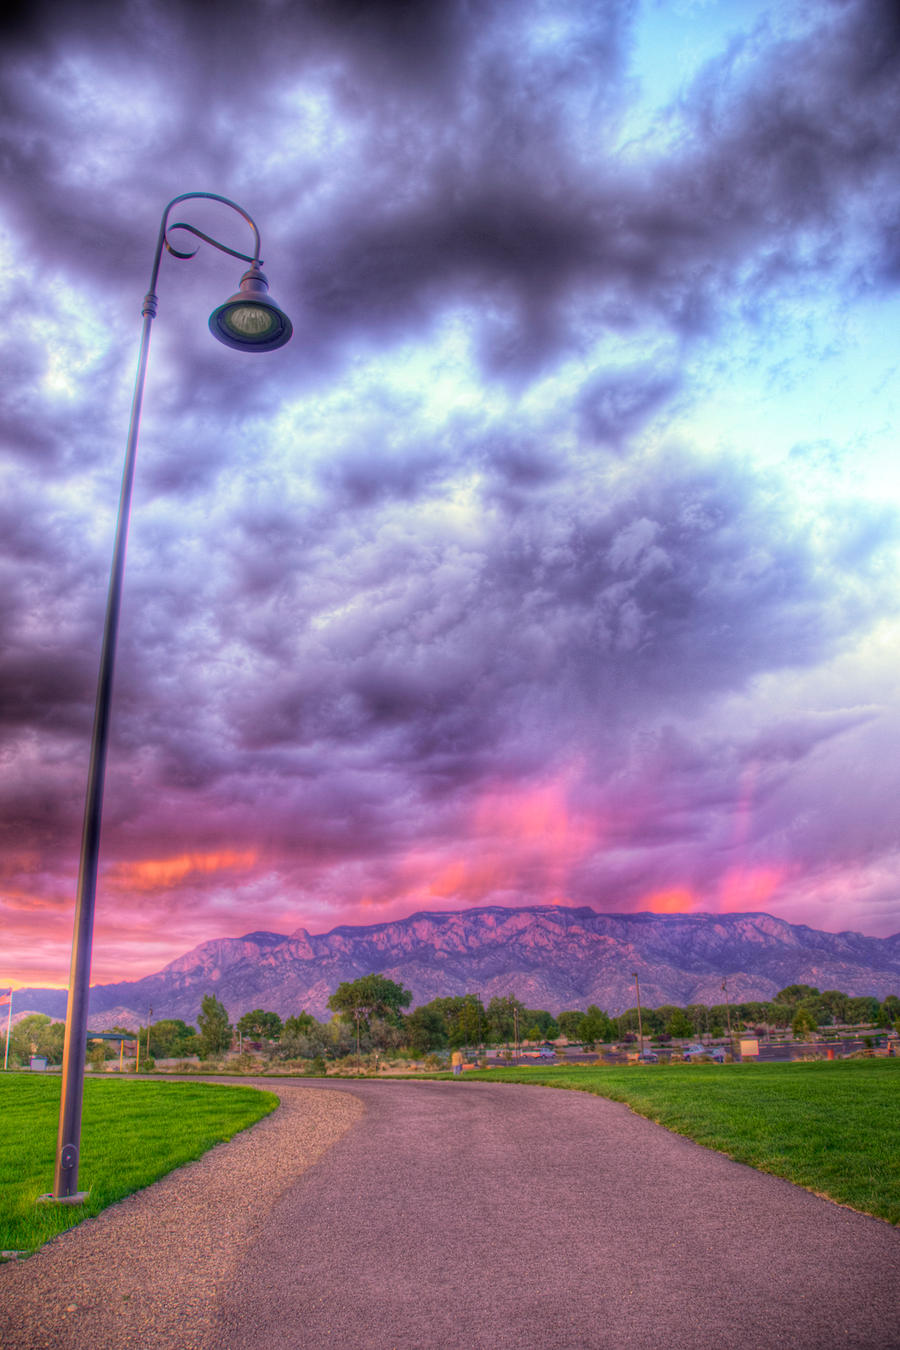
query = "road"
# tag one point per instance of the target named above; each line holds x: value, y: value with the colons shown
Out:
x: 477, y: 1215
x: 460, y: 1216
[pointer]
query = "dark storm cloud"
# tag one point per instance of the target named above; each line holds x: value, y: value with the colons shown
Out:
x: 758, y: 193
x: 473, y: 186
x: 687, y: 586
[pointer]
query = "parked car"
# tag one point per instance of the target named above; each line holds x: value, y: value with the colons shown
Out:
x: 648, y: 1057
x: 713, y: 1052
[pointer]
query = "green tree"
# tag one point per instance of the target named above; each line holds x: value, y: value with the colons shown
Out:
x: 504, y: 1016
x: 464, y: 1018
x: 215, y: 1028
x: 833, y: 1005
x: 597, y: 1026
x: 653, y: 1021
x: 753, y: 1013
x: 795, y: 994
x: 665, y: 1012
x: 803, y: 1023
x: 300, y: 1025
x: 778, y: 1014
x: 679, y: 1024
x: 426, y: 1029
x: 570, y: 1023
x: 260, y: 1025
x: 170, y: 1038
x: 540, y: 1025
x: 721, y: 1015
x: 862, y: 1010
x: 370, y: 996
x: 36, y: 1035
x: 304, y: 1038
x: 51, y: 1042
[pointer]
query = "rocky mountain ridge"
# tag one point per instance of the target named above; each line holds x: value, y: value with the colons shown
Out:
x: 549, y: 956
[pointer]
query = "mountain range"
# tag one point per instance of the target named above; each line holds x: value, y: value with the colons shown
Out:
x: 548, y: 956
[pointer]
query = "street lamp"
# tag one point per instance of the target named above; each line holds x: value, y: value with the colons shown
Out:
x: 249, y: 321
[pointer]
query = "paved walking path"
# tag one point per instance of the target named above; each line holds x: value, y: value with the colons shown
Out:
x: 473, y: 1216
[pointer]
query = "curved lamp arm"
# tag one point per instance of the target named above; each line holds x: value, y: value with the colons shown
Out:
x: 223, y: 248
x: 150, y: 299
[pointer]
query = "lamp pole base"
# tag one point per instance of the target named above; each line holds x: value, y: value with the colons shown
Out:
x: 78, y: 1198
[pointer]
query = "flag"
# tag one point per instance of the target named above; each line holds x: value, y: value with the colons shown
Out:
x: 5, y: 998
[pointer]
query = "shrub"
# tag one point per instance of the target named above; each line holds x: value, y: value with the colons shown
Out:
x: 97, y: 1055
x: 245, y: 1063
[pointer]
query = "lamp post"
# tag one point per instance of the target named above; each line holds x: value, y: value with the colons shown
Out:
x: 637, y: 987
x: 248, y: 321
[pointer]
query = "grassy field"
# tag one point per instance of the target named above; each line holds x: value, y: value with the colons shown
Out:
x: 831, y: 1127
x: 133, y: 1132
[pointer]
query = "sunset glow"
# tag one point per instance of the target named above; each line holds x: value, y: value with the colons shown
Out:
x: 159, y: 874
x: 678, y: 901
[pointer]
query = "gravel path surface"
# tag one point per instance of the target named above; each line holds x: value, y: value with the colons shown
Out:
x: 460, y: 1216
x: 148, y: 1272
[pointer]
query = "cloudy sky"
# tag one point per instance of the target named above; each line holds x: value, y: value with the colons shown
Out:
x: 554, y: 560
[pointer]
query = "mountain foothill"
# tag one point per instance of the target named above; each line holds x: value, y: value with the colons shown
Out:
x: 548, y: 956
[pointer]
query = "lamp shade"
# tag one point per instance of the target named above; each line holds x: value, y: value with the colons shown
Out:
x: 250, y: 320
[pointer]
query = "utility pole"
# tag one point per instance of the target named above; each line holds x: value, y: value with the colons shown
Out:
x: 637, y: 986
x: 727, y: 1005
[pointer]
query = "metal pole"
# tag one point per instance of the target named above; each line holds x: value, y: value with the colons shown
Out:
x: 637, y: 986
x: 8, y: 1030
x: 65, y: 1181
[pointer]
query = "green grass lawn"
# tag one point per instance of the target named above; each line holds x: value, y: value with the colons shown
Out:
x: 133, y: 1132
x: 831, y: 1127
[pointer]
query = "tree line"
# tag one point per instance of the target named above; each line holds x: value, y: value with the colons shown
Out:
x: 369, y: 1014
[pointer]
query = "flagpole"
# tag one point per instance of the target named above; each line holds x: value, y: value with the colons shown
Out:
x: 8, y: 1027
